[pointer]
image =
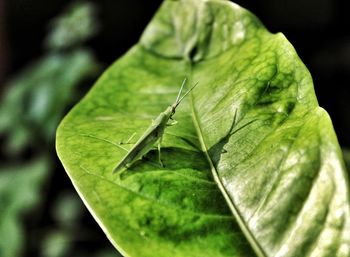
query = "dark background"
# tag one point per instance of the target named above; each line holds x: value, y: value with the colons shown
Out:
x: 318, y: 29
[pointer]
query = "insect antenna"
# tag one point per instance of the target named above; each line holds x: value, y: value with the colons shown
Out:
x: 179, y: 100
x: 182, y: 86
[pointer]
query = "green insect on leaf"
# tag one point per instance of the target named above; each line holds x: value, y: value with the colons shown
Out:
x: 153, y: 134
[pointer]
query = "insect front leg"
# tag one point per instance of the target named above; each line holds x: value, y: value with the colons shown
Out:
x: 159, y: 157
x: 128, y: 141
x: 171, y: 123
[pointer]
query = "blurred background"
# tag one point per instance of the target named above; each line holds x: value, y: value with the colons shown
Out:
x: 51, y: 52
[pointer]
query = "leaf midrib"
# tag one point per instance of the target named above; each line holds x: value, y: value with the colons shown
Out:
x: 249, y: 236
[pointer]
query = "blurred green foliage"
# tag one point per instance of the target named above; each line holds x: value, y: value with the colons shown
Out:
x: 37, y: 98
x: 75, y: 26
x: 56, y: 244
x: 67, y: 210
x: 33, y: 103
x: 20, y: 188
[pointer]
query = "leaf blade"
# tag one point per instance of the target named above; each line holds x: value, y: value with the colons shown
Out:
x: 180, y: 222
x: 246, y: 72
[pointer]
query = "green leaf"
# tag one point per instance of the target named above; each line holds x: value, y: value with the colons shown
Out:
x: 19, y: 193
x: 252, y: 126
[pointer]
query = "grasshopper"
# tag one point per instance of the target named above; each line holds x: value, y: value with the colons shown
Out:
x: 153, y: 134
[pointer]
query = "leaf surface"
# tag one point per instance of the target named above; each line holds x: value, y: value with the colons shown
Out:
x: 252, y: 164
